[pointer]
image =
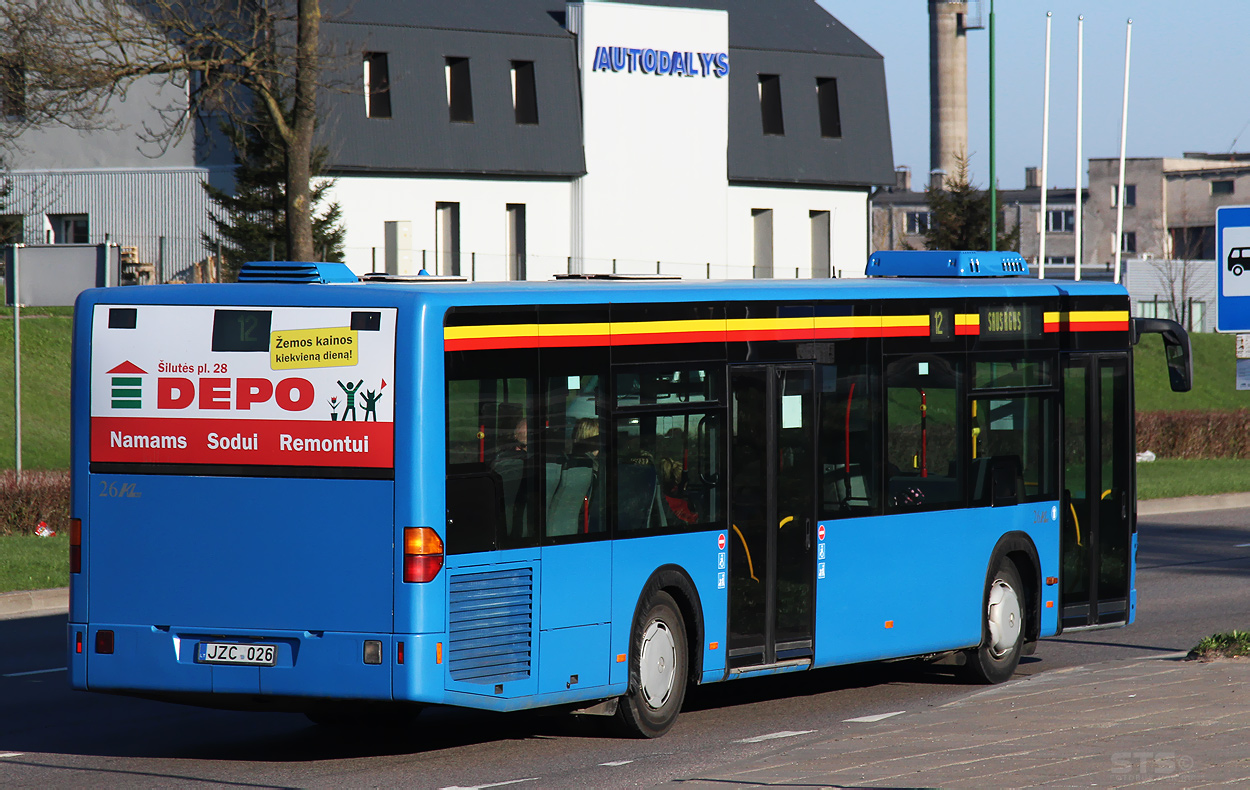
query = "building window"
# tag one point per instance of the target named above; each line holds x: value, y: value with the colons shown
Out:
x: 919, y: 222
x: 1067, y: 260
x: 377, y: 85
x: 69, y: 228
x: 821, y: 260
x: 1221, y: 187
x: 1128, y: 242
x: 762, y: 222
x: 1060, y: 220
x: 1130, y: 195
x: 770, y: 104
x: 459, y: 90
x: 1154, y: 309
x: 524, y: 92
x: 516, y: 241
x: 447, y: 238
x: 12, y: 90
x: 12, y: 227
x: 827, y: 98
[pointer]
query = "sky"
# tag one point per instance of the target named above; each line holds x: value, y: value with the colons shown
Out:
x: 1189, y: 80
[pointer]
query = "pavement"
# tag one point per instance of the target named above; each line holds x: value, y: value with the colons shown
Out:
x: 1162, y: 721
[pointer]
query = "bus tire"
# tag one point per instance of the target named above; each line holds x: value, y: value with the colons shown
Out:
x: 658, y: 665
x: 1002, y: 627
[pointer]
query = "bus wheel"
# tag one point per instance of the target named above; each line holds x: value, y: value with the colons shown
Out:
x: 1003, y: 633
x: 657, y: 670
x: 1237, y: 270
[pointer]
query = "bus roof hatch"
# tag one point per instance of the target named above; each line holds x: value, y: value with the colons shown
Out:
x: 295, y: 272
x: 946, y: 263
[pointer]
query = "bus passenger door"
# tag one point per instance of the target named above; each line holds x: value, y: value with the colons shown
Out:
x: 772, y: 514
x: 1096, y: 540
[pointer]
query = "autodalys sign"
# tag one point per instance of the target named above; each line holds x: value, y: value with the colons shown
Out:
x: 280, y: 386
x: 661, y: 62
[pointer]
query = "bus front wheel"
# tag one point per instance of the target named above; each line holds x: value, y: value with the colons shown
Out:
x: 1003, y: 627
x: 659, y: 663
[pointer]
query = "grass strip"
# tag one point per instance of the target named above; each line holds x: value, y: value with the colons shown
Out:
x: 1174, y: 477
x: 28, y: 562
x: 1232, y: 644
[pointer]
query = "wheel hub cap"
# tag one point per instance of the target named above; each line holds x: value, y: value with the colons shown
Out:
x: 656, y: 664
x: 1004, y: 618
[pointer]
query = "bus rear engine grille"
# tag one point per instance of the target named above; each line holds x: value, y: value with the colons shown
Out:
x: 492, y: 618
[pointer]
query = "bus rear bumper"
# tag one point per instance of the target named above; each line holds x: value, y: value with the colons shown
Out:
x: 160, y: 660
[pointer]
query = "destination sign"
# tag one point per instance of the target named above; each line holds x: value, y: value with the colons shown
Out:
x: 1011, y: 322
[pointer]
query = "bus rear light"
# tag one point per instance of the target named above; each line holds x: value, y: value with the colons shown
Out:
x: 423, y: 554
x: 78, y: 641
x: 75, y: 545
x: 373, y: 651
x: 104, y: 642
x: 399, y: 653
x: 421, y: 569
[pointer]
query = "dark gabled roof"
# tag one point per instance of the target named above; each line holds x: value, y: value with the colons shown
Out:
x: 783, y: 26
x: 795, y: 39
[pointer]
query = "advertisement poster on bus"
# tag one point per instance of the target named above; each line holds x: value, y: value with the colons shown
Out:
x: 243, y: 386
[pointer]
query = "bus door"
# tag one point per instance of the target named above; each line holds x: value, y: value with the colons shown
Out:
x: 1097, y: 521
x: 772, y: 514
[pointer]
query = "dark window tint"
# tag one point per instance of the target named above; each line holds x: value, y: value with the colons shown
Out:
x: 1128, y: 242
x: 770, y: 104
x: 922, y: 433
x: 1221, y: 187
x: 459, y: 90
x: 377, y: 85
x: 830, y: 115
x: 1011, y: 458
x: 492, y: 481
x: 849, y: 431
x: 524, y: 92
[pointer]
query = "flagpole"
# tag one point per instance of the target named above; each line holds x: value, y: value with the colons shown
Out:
x: 1119, y: 203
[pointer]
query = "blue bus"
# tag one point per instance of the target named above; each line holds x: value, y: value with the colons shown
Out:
x: 307, y: 492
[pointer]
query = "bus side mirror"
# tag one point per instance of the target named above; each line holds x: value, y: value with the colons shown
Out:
x: 1176, y: 349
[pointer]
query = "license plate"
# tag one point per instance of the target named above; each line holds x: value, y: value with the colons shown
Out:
x: 234, y: 653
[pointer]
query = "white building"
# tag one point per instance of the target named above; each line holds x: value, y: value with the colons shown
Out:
x: 519, y: 139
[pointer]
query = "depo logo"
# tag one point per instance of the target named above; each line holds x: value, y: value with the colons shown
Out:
x: 127, y: 386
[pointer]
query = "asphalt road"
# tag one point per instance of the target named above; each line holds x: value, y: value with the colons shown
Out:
x: 1192, y: 582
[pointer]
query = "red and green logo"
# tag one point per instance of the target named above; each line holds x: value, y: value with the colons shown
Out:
x: 127, y: 386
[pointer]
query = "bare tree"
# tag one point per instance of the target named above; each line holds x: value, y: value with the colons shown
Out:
x: 76, y: 56
x: 1175, y: 270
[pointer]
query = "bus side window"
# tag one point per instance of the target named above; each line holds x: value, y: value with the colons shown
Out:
x: 922, y: 437
x: 574, y: 446
x: 850, y: 433
x: 492, y: 475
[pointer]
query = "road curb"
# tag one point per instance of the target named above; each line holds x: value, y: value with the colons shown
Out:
x: 1191, y: 504
x: 33, y: 603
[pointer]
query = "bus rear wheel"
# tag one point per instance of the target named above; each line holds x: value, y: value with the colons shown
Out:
x: 659, y: 663
x: 1002, y: 632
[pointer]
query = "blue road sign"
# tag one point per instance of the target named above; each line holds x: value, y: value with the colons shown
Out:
x: 1232, y: 262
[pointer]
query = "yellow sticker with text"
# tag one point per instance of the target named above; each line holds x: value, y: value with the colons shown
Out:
x: 330, y: 347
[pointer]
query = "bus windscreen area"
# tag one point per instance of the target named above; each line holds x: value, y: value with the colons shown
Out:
x: 241, y: 330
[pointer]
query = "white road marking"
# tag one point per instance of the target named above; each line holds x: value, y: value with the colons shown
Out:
x: 33, y: 672
x: 496, y: 784
x: 12, y: 754
x: 616, y: 763
x: 874, y: 717
x: 772, y: 736
x: 1239, y: 545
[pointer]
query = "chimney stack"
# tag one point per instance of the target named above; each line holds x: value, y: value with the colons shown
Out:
x: 1032, y: 177
x: 902, y: 178
x: 948, y: 83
